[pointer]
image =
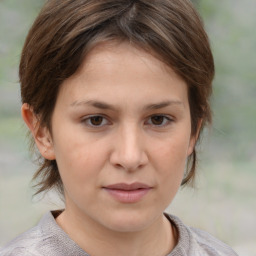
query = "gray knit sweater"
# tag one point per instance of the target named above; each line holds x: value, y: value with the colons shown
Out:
x: 48, y: 239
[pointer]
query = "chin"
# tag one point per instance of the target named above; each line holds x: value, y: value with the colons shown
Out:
x: 129, y: 222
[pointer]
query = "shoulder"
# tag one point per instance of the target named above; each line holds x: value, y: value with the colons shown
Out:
x: 15, y: 252
x: 47, y: 238
x: 210, y: 244
x: 196, y: 242
x: 27, y: 244
x: 23, y: 245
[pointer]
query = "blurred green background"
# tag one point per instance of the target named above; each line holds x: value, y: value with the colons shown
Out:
x: 224, y: 200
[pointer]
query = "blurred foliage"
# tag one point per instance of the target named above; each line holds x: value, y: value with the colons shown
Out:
x: 16, y: 16
x: 231, y: 27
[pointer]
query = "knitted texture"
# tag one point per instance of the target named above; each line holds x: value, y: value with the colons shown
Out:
x: 48, y: 239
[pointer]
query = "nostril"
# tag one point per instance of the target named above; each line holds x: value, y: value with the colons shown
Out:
x: 119, y: 166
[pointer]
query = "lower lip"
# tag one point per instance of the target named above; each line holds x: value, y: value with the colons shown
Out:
x: 128, y: 196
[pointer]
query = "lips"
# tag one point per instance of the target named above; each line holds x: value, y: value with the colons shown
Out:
x: 128, y: 193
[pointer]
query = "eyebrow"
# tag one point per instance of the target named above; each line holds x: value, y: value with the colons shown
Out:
x: 162, y: 104
x: 93, y: 103
x: 106, y: 106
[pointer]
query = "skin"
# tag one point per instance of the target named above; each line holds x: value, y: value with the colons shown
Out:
x: 122, y: 118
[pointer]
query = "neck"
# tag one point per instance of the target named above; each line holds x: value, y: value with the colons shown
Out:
x: 156, y: 240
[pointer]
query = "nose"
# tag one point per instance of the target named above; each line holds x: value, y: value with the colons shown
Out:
x: 129, y: 151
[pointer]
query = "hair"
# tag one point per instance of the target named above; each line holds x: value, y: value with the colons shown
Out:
x: 66, y: 30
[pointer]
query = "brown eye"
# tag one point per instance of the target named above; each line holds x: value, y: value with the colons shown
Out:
x: 157, y: 120
x: 96, y: 120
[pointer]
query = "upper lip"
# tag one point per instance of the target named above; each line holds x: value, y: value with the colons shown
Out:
x: 125, y: 186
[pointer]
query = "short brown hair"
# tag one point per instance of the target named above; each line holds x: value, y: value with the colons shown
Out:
x: 66, y: 30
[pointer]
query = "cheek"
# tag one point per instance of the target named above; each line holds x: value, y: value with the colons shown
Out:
x: 79, y: 160
x: 78, y: 173
x: 169, y: 159
x: 169, y: 165
x: 171, y: 152
x: 75, y: 163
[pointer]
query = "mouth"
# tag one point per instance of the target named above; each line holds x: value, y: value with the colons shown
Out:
x: 128, y: 193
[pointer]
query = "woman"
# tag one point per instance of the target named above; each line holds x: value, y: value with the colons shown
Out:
x: 116, y: 94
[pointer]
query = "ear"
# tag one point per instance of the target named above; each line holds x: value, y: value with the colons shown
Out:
x: 193, y: 139
x: 41, y: 135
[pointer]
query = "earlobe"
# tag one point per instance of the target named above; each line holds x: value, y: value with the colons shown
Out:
x: 41, y: 135
x: 192, y: 144
x: 194, y: 138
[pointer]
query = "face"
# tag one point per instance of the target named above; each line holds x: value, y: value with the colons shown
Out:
x: 121, y: 134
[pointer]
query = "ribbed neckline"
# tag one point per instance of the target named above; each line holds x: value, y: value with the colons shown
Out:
x: 48, y: 225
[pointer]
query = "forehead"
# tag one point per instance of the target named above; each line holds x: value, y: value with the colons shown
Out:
x: 110, y: 54
x: 123, y: 69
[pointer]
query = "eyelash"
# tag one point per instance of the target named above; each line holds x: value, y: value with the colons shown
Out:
x: 166, y: 120
x: 88, y: 121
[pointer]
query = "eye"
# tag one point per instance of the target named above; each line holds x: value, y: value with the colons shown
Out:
x: 159, y: 120
x: 95, y: 121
